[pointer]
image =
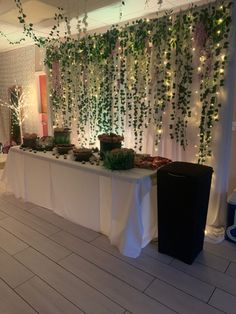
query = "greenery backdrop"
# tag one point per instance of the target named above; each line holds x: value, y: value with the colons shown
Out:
x: 131, y: 77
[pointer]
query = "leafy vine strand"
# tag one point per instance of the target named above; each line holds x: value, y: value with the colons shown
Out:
x: 129, y: 77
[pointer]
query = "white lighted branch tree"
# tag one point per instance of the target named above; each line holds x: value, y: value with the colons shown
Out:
x: 18, y: 106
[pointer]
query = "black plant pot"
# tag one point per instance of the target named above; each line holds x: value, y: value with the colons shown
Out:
x: 107, y: 147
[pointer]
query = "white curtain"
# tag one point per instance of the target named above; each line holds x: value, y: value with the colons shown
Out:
x: 222, y: 148
x: 68, y: 113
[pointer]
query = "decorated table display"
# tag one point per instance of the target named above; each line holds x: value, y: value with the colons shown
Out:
x: 112, y: 156
x: 108, y: 142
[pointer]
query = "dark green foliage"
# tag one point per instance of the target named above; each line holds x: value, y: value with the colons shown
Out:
x: 119, y: 160
x: 129, y: 77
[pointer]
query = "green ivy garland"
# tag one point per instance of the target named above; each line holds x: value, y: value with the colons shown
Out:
x: 212, y: 77
x: 129, y: 77
x: 162, y: 40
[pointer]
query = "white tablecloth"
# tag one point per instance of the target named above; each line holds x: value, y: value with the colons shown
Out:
x: 120, y: 204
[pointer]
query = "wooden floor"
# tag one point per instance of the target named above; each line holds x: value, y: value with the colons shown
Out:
x: 50, y: 265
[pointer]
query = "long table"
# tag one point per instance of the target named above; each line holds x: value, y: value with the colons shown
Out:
x: 119, y: 204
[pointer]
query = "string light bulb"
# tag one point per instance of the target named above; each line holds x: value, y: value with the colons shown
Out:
x: 202, y: 58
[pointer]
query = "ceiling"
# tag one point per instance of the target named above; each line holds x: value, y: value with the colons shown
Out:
x: 101, y: 14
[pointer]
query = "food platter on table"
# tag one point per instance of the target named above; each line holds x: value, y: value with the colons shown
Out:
x: 145, y: 161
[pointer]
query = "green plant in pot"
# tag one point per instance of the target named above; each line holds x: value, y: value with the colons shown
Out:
x: 119, y: 159
x: 62, y: 140
x: 30, y: 140
x: 109, y: 142
x: 62, y: 136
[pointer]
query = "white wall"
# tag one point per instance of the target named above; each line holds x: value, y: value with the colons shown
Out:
x: 18, y: 67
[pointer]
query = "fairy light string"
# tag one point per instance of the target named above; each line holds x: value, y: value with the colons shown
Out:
x: 133, y: 75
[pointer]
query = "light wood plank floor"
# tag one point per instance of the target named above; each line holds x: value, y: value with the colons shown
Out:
x: 50, y: 265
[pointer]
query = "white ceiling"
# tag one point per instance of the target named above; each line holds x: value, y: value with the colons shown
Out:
x: 101, y: 14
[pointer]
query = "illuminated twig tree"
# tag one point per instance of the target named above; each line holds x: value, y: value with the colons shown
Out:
x: 18, y: 106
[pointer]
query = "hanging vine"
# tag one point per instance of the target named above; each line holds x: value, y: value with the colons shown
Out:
x: 181, y: 107
x: 213, y: 37
x: 162, y: 40
x: 139, y: 91
x: 130, y: 76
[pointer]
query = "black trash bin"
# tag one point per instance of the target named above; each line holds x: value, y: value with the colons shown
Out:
x: 183, y: 193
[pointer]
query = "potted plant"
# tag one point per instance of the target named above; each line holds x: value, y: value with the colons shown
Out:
x: 109, y: 141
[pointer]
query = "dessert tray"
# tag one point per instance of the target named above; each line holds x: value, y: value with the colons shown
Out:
x: 148, y: 162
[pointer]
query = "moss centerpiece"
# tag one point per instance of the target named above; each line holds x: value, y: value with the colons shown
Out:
x: 119, y: 159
